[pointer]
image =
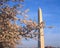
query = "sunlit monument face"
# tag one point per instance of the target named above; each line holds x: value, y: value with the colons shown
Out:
x: 41, y: 34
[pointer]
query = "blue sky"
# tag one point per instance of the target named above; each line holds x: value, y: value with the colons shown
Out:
x: 51, y: 17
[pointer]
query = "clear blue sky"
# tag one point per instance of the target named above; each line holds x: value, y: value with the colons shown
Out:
x: 51, y: 17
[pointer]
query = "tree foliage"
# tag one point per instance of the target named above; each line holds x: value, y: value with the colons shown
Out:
x: 10, y: 32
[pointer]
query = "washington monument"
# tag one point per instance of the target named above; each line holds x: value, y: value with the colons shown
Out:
x: 41, y: 32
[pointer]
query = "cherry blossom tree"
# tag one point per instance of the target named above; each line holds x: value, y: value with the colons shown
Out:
x: 10, y: 31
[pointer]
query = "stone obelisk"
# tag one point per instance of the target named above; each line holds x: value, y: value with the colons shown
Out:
x: 41, y: 32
